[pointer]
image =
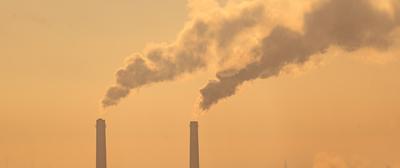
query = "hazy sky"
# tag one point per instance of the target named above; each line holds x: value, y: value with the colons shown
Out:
x: 57, y: 59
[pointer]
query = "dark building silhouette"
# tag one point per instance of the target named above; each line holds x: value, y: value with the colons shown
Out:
x: 101, y: 153
x: 194, y: 145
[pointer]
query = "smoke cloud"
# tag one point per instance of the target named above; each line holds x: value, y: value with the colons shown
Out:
x: 223, y: 35
x: 349, y: 24
x: 201, y: 38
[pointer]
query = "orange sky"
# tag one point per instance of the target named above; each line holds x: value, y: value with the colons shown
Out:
x: 57, y: 58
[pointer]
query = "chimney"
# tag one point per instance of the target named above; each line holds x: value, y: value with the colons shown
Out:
x: 194, y: 145
x: 101, y: 157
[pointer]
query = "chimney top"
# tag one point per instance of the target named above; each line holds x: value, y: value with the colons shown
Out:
x: 194, y: 123
x: 101, y: 122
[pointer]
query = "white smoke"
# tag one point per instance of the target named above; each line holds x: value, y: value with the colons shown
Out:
x: 348, y: 24
x: 200, y: 40
x: 242, y: 30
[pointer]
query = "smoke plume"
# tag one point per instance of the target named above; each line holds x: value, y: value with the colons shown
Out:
x: 349, y: 24
x: 243, y: 31
x: 193, y: 50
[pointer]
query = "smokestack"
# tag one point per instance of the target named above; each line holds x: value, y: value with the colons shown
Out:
x: 194, y: 145
x: 101, y: 159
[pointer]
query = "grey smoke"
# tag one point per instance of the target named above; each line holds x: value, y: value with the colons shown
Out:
x: 348, y: 24
x: 189, y: 53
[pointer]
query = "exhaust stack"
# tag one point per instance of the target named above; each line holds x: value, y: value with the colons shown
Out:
x: 101, y: 153
x: 194, y: 145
